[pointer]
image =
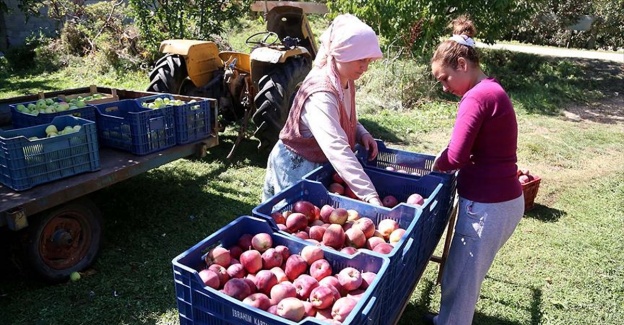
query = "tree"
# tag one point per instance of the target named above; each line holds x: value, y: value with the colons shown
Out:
x: 419, y: 25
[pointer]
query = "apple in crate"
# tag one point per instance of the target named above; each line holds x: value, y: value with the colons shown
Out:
x: 342, y: 307
x: 220, y: 271
x: 322, y: 297
x: 383, y: 248
x: 320, y: 269
x: 396, y: 235
x: 219, y: 255
x: 339, y: 216
x: 367, y: 279
x: 311, y: 254
x: 265, y: 280
x: 415, y: 199
x: 295, y: 266
x: 284, y: 250
x: 279, y: 273
x: 354, y: 237
x: 366, y: 225
x: 237, y: 289
x: 306, y: 208
x: 350, y: 278
x: 282, y: 291
x: 210, y: 278
x: 326, y: 211
x: 271, y: 258
x: 291, y: 308
x: 387, y: 226
x: 334, y: 236
x: 316, y: 233
x: 258, y: 300
x: 261, y: 242
x: 374, y: 241
x: 236, y: 271
x: 296, y: 221
x: 305, y: 284
x: 251, y: 260
x: 389, y: 201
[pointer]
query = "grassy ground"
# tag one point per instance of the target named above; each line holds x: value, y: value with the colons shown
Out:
x: 562, y: 265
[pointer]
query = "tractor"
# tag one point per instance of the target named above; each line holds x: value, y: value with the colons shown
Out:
x: 259, y: 85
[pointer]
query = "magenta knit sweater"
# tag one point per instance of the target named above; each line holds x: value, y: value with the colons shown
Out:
x: 483, y: 145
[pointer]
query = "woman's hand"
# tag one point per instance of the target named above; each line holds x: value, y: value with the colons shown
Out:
x: 370, y: 145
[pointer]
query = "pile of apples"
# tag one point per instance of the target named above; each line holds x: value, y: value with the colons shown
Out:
x: 47, y: 106
x: 289, y: 285
x: 525, y: 176
x: 52, y: 131
x: 342, y: 229
x: 340, y: 187
x: 161, y: 102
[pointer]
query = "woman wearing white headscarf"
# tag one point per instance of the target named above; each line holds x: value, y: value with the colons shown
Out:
x: 322, y: 124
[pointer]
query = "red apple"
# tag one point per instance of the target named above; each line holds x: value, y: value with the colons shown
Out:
x: 291, y: 308
x: 324, y: 314
x: 278, y: 217
x: 236, y: 288
x: 210, y: 278
x: 396, y: 235
x: 338, y: 216
x: 374, y: 241
x: 265, y: 280
x: 236, y: 271
x: 284, y: 250
x: 271, y: 258
x: 258, y: 300
x: 367, y: 279
x: 356, y: 294
x: 415, y: 199
x: 221, y: 272
x: 302, y: 234
x: 332, y: 280
x: 354, y: 237
x: 334, y: 236
x: 350, y: 278
x: 316, y: 233
x: 281, y: 291
x: 279, y: 273
x: 386, y: 227
x: 389, y: 201
x: 352, y: 215
x: 304, y: 285
x: 311, y: 254
x: 322, y: 297
x: 219, y: 255
x: 296, y: 221
x: 251, y: 260
x: 235, y: 252
x: 366, y: 225
x: 244, y: 241
x: 336, y: 188
x: 342, y: 307
x: 295, y: 266
x: 326, y: 210
x: 320, y: 269
x: 306, y: 208
x: 383, y: 248
x: 261, y: 242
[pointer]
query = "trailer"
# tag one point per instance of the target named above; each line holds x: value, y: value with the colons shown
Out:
x: 61, y: 226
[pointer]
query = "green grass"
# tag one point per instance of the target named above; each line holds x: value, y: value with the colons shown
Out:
x: 563, y: 265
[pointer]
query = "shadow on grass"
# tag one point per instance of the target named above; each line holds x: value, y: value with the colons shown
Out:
x: 544, y: 213
x: 380, y: 132
x: 413, y: 312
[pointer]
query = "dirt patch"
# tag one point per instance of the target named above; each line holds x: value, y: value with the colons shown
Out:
x: 607, y: 111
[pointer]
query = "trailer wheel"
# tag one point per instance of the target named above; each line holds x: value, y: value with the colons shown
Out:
x: 273, y: 101
x: 64, y: 240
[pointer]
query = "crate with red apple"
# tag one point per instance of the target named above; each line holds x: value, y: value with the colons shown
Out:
x: 530, y: 185
x: 308, y: 211
x: 248, y: 272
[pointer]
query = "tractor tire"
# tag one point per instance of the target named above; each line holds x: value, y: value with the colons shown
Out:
x: 276, y: 93
x: 168, y: 75
x: 63, y: 240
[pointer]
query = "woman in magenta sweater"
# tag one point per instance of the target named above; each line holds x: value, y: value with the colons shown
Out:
x: 483, y: 150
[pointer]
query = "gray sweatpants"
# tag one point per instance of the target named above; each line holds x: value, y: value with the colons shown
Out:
x: 481, y: 230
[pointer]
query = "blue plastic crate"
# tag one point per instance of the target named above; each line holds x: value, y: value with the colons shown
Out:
x: 407, y: 259
x: 22, y: 120
x: 199, y: 304
x: 25, y: 163
x: 193, y: 120
x: 126, y: 126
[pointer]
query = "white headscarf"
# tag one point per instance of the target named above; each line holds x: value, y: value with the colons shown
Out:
x: 347, y: 39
